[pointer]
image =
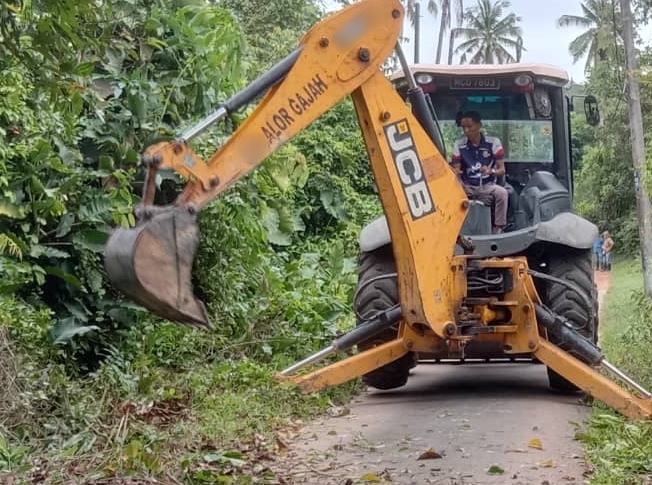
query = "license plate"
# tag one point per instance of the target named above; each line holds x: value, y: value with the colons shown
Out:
x: 474, y: 83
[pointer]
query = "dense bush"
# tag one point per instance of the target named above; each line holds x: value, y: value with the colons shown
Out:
x: 71, y: 145
x: 605, y: 179
x: 276, y: 263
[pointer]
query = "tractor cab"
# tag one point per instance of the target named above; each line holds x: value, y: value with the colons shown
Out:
x: 526, y: 107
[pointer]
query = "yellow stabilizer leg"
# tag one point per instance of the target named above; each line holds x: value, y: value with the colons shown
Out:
x: 351, y: 367
x: 592, y: 382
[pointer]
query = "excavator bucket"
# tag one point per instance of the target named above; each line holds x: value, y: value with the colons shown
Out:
x: 152, y: 264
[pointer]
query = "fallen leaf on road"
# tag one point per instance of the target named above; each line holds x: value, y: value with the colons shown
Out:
x: 495, y: 470
x: 546, y: 464
x: 516, y: 450
x: 429, y: 454
x: 281, y: 442
x: 535, y: 443
x: 370, y: 477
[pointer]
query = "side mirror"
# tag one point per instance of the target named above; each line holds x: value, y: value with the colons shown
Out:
x: 591, y: 110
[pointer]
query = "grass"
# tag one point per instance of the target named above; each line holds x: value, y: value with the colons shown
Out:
x: 620, y: 318
x: 141, y: 421
x: 620, y: 450
x: 135, y: 423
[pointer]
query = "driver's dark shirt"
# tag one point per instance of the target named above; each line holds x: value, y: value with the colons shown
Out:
x: 472, y: 157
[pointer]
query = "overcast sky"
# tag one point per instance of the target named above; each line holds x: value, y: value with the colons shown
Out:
x: 544, y: 41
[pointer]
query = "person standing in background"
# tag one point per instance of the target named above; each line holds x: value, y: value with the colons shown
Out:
x: 597, y: 252
x: 607, y: 247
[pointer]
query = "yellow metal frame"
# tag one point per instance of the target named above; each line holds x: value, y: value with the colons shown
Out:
x: 329, y: 67
x: 521, y: 336
x: 424, y: 203
x: 592, y: 382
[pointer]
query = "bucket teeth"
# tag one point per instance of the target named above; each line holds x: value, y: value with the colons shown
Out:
x: 152, y: 264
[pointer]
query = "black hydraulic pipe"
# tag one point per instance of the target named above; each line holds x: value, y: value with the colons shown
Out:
x: 564, y: 331
x: 262, y: 83
x: 359, y: 334
x: 424, y: 112
x: 246, y: 95
x: 421, y: 105
x: 368, y: 329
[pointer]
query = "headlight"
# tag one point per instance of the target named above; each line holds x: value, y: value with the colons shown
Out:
x: 523, y: 80
x: 423, y: 78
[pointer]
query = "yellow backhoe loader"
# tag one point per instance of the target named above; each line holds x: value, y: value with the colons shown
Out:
x: 454, y: 291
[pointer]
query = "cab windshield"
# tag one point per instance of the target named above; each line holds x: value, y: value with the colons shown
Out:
x: 515, y: 118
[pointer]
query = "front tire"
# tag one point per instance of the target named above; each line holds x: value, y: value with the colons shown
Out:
x: 376, y: 297
x: 574, y: 266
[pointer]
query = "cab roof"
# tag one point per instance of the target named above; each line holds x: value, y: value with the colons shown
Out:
x: 538, y: 70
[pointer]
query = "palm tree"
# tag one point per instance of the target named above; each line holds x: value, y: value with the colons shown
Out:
x: 489, y: 37
x: 600, y: 20
x: 411, y: 12
x: 445, y: 23
x: 410, y: 9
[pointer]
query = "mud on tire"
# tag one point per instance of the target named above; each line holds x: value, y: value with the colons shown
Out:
x: 378, y: 296
x: 574, y: 266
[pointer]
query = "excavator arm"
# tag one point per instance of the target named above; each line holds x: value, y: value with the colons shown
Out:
x: 334, y: 58
x: 424, y: 204
x: 341, y: 55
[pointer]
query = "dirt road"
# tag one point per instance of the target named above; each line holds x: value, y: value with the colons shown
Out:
x: 480, y: 424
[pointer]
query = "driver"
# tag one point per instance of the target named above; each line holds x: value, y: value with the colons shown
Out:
x: 478, y: 161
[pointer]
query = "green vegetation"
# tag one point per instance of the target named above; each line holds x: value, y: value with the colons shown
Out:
x: 620, y: 451
x: 195, y: 422
x: 597, y: 20
x: 94, y: 388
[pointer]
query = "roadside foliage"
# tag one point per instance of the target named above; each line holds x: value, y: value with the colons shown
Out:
x: 93, y: 387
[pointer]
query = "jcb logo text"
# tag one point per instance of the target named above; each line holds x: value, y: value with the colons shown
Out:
x: 409, y: 168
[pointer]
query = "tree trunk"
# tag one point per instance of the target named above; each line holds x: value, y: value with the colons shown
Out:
x: 638, y: 147
x: 440, y: 42
x: 451, y: 45
x: 417, y: 31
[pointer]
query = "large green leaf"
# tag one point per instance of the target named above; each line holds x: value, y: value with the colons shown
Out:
x: 290, y: 169
x: 95, y: 209
x: 272, y: 223
x: 37, y: 251
x: 91, y: 239
x: 65, y: 224
x: 65, y: 276
x: 14, y: 211
x: 331, y: 200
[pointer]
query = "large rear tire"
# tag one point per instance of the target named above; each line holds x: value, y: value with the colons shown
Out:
x: 574, y: 266
x: 375, y: 297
